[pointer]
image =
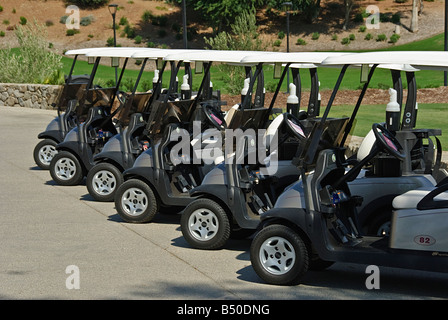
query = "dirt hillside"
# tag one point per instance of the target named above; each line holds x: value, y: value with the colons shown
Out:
x: 328, y: 25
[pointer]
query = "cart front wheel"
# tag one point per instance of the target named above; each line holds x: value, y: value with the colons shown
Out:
x: 103, y: 180
x: 65, y: 169
x: 136, y: 202
x: 44, y: 151
x: 205, y: 224
x: 279, y: 255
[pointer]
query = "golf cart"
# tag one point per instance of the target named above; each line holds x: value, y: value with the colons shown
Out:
x: 232, y: 196
x: 156, y: 181
x: 314, y: 221
x: 75, y: 153
x: 68, y: 113
x: 120, y: 152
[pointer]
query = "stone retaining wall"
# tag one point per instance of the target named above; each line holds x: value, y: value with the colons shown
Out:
x: 38, y: 96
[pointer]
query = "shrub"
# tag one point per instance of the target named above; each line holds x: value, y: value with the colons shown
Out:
x: 368, y: 37
x: 277, y: 43
x: 138, y: 39
x: 123, y: 21
x: 23, y: 21
x: 85, y: 21
x: 345, y: 41
x: 281, y: 35
x: 381, y: 37
x: 300, y: 42
x: 396, y: 18
x: 49, y: 23
x: 110, y: 42
x: 362, y: 28
x: 315, y: 36
x: 2, y: 33
x: 394, y: 38
x: 1, y: 8
x: 63, y: 19
x: 6, y: 22
x: 358, y: 18
x: 351, y: 37
x: 88, y: 3
x: 129, y: 31
x: 334, y: 37
x: 22, y: 66
x: 147, y: 16
x: 71, y: 32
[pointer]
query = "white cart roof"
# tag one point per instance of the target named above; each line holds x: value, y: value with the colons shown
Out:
x: 159, y: 53
x: 417, y: 59
x: 119, y: 52
x: 83, y: 51
x: 225, y: 56
x: 290, y: 57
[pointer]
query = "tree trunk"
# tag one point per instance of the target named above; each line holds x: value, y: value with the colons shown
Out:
x: 414, y: 19
x: 348, y: 4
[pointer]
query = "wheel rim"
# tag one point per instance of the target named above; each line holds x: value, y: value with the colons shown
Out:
x: 134, y: 201
x: 203, y: 224
x: 104, y: 182
x: 65, y: 168
x: 277, y: 255
x: 46, y: 153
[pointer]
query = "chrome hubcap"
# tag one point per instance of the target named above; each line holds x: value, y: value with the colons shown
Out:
x: 104, y: 182
x: 65, y: 168
x: 46, y: 153
x: 134, y: 201
x: 277, y: 255
x: 203, y: 224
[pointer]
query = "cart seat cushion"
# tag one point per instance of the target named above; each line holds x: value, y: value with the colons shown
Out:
x: 410, y: 199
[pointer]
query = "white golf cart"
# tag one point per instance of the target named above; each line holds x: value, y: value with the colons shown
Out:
x: 313, y: 223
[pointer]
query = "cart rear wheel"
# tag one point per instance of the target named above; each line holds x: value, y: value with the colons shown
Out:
x: 44, y: 151
x: 103, y: 181
x: 279, y: 255
x: 136, y: 202
x: 65, y: 169
x: 205, y: 224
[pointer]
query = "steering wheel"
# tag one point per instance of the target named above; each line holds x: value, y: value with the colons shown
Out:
x: 214, y: 117
x: 388, y: 142
x: 385, y: 140
x: 294, y: 126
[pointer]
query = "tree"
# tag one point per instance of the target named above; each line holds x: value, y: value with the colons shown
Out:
x: 243, y: 36
x: 414, y: 19
x: 348, y: 6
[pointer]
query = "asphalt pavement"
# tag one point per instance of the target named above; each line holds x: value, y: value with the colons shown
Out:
x: 58, y: 243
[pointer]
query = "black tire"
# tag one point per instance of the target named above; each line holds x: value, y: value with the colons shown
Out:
x: 103, y: 181
x: 136, y: 202
x: 65, y: 169
x: 279, y: 255
x: 44, y: 152
x: 380, y: 224
x: 205, y: 225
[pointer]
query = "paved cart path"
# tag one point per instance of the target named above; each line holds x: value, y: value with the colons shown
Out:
x: 45, y: 228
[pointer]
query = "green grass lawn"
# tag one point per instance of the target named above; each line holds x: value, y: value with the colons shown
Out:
x: 429, y: 116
